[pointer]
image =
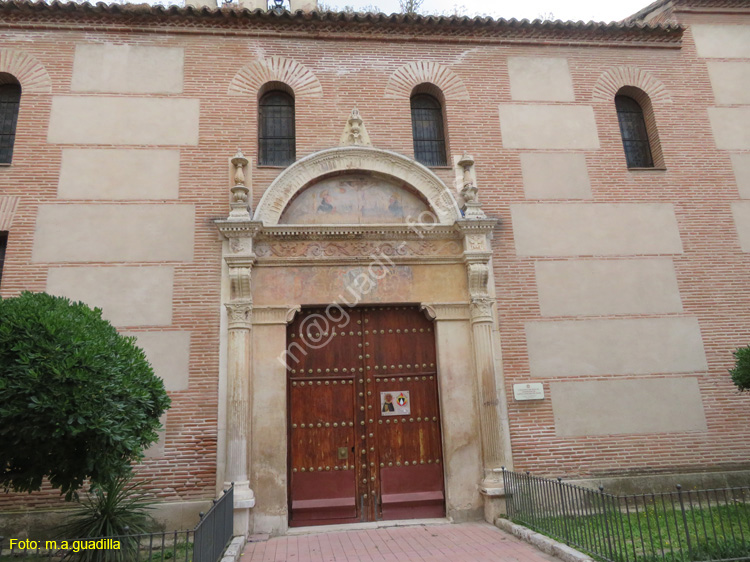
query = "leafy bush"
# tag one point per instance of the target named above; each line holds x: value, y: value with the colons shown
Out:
x: 115, y: 509
x: 77, y: 399
x: 741, y: 372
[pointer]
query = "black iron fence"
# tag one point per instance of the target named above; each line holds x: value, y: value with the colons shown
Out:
x: 205, y: 543
x: 679, y: 526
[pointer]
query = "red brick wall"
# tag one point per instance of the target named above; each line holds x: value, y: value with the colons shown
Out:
x: 699, y: 182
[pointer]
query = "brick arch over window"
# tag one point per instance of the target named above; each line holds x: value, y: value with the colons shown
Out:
x: 613, y: 80
x: 401, y: 83
x: 29, y: 72
x: 251, y: 77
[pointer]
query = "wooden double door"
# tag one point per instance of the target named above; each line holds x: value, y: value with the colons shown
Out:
x: 363, y: 416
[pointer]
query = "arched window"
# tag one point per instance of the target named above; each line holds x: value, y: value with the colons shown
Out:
x: 10, y: 99
x: 276, y: 146
x: 427, y: 130
x: 635, y: 138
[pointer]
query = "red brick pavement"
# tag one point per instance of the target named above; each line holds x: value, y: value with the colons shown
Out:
x: 465, y: 542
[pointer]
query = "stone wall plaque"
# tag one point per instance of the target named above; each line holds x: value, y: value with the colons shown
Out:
x: 528, y: 391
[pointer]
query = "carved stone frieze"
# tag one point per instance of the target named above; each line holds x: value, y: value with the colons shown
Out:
x: 346, y: 249
x: 476, y: 242
x: 240, y: 314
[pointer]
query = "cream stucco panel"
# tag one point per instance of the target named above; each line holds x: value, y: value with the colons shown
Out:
x: 548, y: 229
x: 731, y: 127
x: 628, y: 346
x: 540, y: 79
x: 548, y: 126
x: 599, y: 287
x: 128, y: 296
x: 119, y: 174
x: 741, y: 213
x: 128, y: 69
x: 549, y: 175
x: 722, y: 41
x: 730, y: 82
x: 123, y: 120
x: 169, y: 355
x: 663, y: 405
x: 114, y: 233
x: 741, y: 167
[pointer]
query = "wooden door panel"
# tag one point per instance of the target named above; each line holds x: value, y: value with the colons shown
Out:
x: 390, y: 465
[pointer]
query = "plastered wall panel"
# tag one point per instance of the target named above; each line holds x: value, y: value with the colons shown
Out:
x: 731, y: 127
x: 128, y: 296
x: 114, y: 233
x: 555, y: 176
x: 128, y: 69
x: 119, y: 174
x: 741, y: 213
x: 730, y: 82
x: 540, y: 79
x: 741, y: 167
x: 663, y: 405
x: 629, y: 346
x: 169, y: 355
x: 601, y: 287
x: 542, y: 127
x: 123, y: 120
x: 722, y: 41
x: 607, y: 229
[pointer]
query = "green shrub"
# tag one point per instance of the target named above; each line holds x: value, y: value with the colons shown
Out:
x: 77, y: 399
x: 114, y: 509
x: 741, y: 372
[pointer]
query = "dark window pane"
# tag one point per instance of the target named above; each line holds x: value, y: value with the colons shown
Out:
x: 427, y: 130
x: 10, y: 98
x: 634, y: 133
x: 3, y: 245
x: 276, y: 143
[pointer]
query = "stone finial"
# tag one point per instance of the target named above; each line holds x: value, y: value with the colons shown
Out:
x: 355, y: 132
x: 240, y: 193
x: 472, y: 208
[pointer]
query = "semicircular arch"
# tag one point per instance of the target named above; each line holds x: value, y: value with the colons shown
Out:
x: 353, y: 159
x: 29, y: 72
x: 402, y: 82
x: 251, y: 77
x: 611, y: 81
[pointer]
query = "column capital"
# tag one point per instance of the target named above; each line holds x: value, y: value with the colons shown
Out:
x: 240, y: 314
x: 481, y: 309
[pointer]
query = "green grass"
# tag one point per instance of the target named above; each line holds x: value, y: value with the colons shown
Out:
x: 656, y: 533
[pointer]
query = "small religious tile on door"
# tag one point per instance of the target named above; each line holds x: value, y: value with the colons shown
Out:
x: 395, y: 403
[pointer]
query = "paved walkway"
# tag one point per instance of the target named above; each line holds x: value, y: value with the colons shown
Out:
x: 465, y: 542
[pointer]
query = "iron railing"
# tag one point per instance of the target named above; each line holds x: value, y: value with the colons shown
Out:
x: 205, y: 543
x: 680, y: 526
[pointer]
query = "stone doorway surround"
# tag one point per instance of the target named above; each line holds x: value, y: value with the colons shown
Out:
x: 444, y: 266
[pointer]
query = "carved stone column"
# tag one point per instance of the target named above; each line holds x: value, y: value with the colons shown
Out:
x: 240, y: 230
x: 239, y: 415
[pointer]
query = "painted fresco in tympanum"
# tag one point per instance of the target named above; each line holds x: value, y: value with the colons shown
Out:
x: 354, y: 199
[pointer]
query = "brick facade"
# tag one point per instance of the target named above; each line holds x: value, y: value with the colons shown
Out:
x: 358, y: 63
